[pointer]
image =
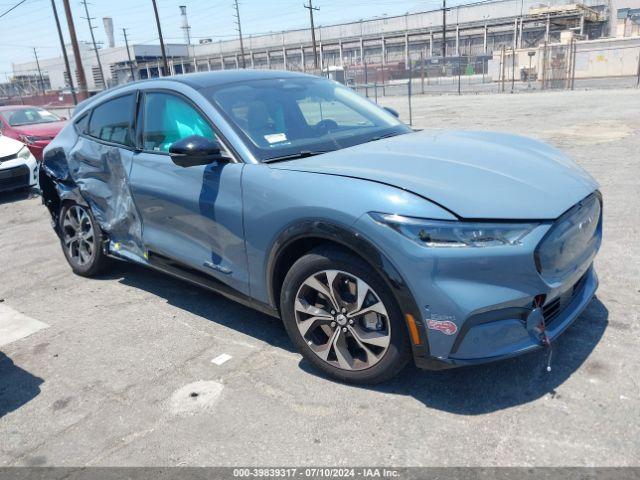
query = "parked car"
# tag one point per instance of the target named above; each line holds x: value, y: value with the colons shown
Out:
x: 33, y: 126
x: 292, y: 194
x: 18, y: 167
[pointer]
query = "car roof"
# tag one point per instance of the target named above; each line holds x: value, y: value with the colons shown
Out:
x: 221, y: 77
x: 197, y: 81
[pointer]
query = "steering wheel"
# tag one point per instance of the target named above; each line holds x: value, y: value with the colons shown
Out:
x: 325, y: 126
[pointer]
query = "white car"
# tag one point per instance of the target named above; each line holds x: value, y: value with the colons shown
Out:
x: 18, y: 167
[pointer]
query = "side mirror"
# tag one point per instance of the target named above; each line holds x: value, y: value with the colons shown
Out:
x: 392, y: 111
x: 195, y: 150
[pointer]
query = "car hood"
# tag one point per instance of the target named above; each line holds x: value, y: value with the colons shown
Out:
x: 9, y: 146
x: 476, y: 175
x: 41, y: 129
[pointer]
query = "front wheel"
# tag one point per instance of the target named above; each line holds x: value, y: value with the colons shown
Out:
x: 343, y: 318
x: 81, y: 239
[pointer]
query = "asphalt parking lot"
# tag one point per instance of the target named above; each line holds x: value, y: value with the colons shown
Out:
x: 119, y: 369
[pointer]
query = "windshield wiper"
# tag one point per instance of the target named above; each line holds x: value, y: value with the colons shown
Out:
x: 386, y: 135
x: 293, y: 156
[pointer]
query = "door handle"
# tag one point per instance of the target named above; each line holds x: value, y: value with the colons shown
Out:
x: 218, y: 268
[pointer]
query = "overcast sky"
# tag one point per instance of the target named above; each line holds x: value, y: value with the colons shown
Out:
x: 31, y: 24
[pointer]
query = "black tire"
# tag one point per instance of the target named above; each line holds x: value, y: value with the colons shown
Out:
x: 95, y: 263
x: 398, y: 352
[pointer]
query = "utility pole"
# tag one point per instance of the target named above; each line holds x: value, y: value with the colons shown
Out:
x: 444, y: 30
x: 311, y: 8
x: 164, y: 53
x: 244, y: 65
x: 64, y: 52
x: 126, y: 42
x: 93, y: 40
x: 638, y: 74
x: 35, y: 54
x: 513, y: 68
x: 82, y: 79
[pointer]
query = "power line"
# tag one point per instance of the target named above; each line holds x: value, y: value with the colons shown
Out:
x: 13, y: 45
x: 12, y: 8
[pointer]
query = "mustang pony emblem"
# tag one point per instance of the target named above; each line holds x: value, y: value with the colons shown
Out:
x: 445, y: 326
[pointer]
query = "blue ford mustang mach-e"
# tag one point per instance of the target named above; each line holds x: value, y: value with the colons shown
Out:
x: 374, y: 243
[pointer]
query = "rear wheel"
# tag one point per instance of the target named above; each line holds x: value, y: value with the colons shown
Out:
x: 81, y: 239
x: 343, y: 318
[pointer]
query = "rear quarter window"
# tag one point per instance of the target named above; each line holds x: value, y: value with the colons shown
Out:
x: 112, y: 121
x: 82, y: 123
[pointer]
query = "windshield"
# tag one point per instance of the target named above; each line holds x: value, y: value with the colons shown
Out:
x: 287, y: 117
x: 28, y: 116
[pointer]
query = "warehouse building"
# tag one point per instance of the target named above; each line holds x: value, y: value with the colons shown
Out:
x: 395, y: 42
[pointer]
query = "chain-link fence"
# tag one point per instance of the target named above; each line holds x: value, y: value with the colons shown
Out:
x: 546, y: 67
x: 614, y: 63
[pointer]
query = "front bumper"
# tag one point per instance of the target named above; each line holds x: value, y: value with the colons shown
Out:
x: 18, y: 173
x: 476, y: 305
x: 511, y: 330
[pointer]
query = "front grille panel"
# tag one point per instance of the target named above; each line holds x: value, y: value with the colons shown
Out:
x: 8, y: 157
x: 554, y: 308
x: 571, y: 242
x: 12, y: 178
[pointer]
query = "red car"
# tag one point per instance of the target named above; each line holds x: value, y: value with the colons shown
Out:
x: 33, y: 126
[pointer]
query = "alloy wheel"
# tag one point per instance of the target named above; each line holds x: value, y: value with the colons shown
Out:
x: 78, y: 235
x: 342, y: 320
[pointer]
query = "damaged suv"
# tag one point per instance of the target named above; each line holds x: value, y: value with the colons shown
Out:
x: 292, y: 194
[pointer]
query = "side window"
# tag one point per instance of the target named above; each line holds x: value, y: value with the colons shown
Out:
x: 111, y: 121
x: 82, y: 123
x: 167, y: 119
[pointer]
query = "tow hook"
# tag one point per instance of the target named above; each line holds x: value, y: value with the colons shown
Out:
x: 537, y: 327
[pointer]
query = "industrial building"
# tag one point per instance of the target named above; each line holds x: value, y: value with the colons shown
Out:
x: 114, y: 60
x: 472, y: 30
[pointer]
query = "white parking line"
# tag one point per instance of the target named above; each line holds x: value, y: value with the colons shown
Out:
x: 15, y: 325
x: 222, y: 358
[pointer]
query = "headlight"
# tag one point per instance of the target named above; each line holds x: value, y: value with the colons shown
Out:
x: 441, y: 233
x: 24, y: 153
